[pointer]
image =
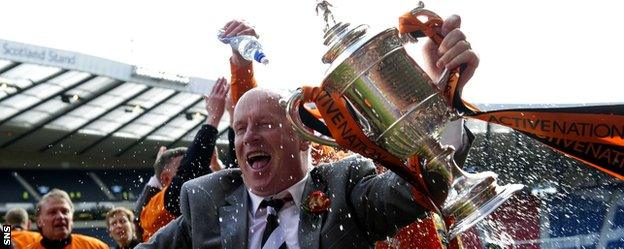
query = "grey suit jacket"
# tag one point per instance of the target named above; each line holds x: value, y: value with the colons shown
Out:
x: 365, y: 207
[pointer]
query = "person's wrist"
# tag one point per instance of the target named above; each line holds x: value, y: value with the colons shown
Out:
x: 154, y: 182
x: 237, y: 59
x: 212, y: 120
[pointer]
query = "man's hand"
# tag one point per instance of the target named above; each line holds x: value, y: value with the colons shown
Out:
x: 229, y: 107
x: 154, y: 180
x: 235, y: 28
x: 215, y: 164
x: 452, y: 52
x: 215, y: 102
x: 161, y: 150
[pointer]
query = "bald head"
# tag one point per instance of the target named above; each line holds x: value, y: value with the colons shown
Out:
x: 258, y: 96
x: 270, y: 153
x: 17, y: 218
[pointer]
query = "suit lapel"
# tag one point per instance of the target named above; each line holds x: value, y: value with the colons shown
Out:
x: 309, y: 223
x: 233, y: 219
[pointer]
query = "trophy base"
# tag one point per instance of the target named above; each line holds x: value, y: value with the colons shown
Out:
x: 470, y: 196
x: 482, y: 199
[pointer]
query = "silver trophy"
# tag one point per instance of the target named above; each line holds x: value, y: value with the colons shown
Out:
x: 399, y: 108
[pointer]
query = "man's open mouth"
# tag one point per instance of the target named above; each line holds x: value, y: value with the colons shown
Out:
x: 64, y: 226
x: 258, y: 160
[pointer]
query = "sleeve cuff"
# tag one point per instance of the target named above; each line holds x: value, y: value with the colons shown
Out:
x: 242, y: 80
x: 207, y: 129
x: 154, y: 182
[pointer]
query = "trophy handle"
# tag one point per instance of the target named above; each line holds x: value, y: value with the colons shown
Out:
x: 292, y: 114
x: 421, y: 22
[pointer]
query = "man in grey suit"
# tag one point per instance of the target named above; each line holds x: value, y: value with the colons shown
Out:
x: 267, y: 202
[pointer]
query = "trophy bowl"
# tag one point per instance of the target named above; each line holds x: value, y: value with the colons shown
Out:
x: 399, y: 108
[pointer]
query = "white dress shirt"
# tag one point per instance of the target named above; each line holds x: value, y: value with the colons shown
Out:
x: 288, y: 216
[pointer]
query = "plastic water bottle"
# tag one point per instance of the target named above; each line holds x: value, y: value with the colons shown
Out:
x: 247, y: 45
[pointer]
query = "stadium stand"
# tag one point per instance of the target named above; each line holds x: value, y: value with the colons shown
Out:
x: 125, y: 184
x: 12, y: 190
x: 92, y: 126
x: 75, y: 182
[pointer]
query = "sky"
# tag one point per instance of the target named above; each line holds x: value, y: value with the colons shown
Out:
x: 546, y: 52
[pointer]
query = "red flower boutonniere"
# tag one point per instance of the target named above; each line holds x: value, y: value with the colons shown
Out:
x: 316, y: 202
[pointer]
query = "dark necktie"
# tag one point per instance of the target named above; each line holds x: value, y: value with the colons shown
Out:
x: 271, y: 222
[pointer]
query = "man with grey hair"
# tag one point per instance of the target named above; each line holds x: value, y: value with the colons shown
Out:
x: 54, y: 215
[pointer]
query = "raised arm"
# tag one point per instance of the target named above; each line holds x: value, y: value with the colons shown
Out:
x: 242, y: 70
x: 196, y: 161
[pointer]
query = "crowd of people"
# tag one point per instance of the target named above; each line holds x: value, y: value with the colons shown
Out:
x: 279, y: 191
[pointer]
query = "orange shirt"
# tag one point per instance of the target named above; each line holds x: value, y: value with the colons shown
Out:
x: 23, y: 238
x: 242, y: 80
x: 154, y: 215
x: 78, y: 242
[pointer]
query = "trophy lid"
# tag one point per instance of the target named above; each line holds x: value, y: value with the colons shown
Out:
x: 353, y: 48
x: 340, y: 37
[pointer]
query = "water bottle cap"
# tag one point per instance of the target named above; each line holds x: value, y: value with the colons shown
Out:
x: 259, y: 56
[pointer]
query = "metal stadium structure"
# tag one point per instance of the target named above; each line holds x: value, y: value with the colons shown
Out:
x: 92, y: 127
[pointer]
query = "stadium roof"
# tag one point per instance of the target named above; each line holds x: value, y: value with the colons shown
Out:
x: 56, y: 103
